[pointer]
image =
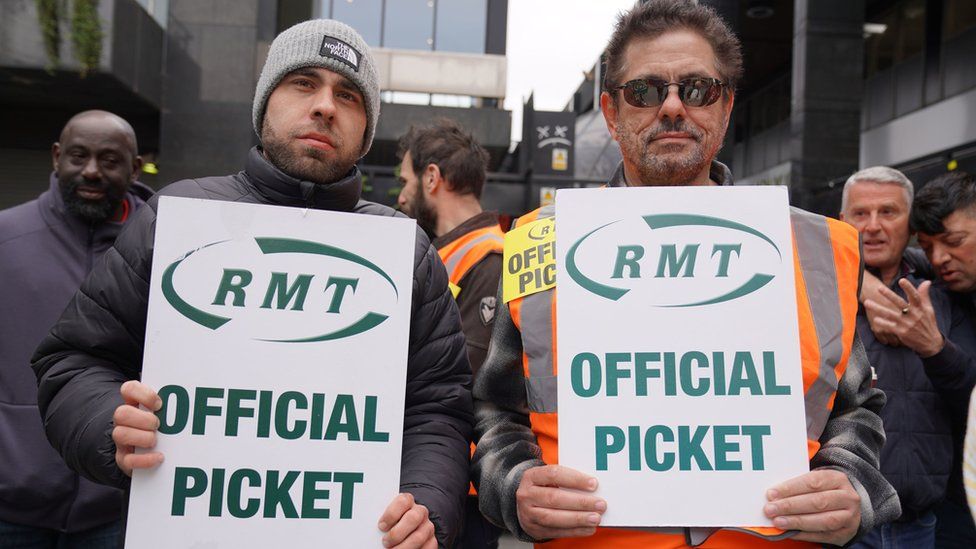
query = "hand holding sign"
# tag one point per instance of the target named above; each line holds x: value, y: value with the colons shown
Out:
x: 136, y: 428
x: 407, y: 525
x: 822, y: 504
x: 549, y: 505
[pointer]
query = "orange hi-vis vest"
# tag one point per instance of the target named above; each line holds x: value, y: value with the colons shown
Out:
x: 463, y: 254
x: 826, y: 258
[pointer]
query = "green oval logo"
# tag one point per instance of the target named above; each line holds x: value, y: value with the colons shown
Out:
x: 275, y: 292
x: 673, y: 260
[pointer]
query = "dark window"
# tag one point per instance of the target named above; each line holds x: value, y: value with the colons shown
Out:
x: 461, y: 26
x: 894, y: 67
x: 958, y: 68
x: 879, y: 47
x: 960, y: 16
x: 893, y: 36
x: 363, y: 15
x: 293, y: 12
x: 408, y: 24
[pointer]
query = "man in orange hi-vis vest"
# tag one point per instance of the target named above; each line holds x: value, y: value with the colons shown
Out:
x: 442, y: 170
x: 670, y: 82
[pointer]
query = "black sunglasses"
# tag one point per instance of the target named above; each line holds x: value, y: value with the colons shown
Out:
x: 651, y: 92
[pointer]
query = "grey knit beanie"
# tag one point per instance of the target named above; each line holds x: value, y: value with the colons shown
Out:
x: 322, y: 43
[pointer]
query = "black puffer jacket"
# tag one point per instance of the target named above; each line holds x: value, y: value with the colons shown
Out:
x: 98, y: 344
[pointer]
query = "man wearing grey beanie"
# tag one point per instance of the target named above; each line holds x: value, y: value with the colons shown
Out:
x: 315, y: 111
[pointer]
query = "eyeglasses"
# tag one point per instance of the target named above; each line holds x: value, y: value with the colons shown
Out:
x: 650, y: 92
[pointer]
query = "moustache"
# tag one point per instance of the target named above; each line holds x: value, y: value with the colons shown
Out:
x: 669, y: 126
x: 97, y: 185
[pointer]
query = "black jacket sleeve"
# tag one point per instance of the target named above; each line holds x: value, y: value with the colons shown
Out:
x: 94, y: 348
x: 438, y: 419
x: 952, y: 370
x: 953, y: 374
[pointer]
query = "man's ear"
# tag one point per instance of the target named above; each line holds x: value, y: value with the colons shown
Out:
x: 609, y: 113
x: 55, y: 155
x: 137, y: 163
x: 432, y: 180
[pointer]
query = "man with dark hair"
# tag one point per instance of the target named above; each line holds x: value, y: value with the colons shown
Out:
x: 917, y: 456
x: 672, y: 68
x: 47, y: 246
x: 944, y: 216
x: 315, y: 109
x: 442, y: 170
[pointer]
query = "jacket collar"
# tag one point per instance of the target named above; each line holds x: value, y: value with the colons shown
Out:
x: 55, y: 214
x: 280, y: 188
x: 717, y: 172
x: 484, y: 219
x: 905, y: 270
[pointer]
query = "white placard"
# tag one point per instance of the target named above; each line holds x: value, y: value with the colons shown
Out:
x: 277, y: 338
x: 677, y: 325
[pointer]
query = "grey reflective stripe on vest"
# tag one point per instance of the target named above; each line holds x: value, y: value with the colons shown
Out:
x: 813, y: 246
x: 540, y: 386
x: 698, y: 536
x: 459, y: 254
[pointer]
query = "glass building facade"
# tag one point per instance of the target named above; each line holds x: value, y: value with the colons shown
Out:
x: 427, y: 25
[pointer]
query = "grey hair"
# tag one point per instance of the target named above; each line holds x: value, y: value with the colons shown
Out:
x: 879, y: 174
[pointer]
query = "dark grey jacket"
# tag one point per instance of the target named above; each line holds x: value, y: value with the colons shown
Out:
x: 917, y: 455
x: 98, y: 344
x: 45, y: 253
x: 952, y: 371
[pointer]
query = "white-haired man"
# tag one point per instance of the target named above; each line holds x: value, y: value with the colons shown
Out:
x: 917, y: 456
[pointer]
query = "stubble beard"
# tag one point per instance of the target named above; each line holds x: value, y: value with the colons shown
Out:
x: 310, y: 164
x: 425, y: 215
x: 675, y: 168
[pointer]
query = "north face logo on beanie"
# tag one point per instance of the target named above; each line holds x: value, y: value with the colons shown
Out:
x: 340, y: 51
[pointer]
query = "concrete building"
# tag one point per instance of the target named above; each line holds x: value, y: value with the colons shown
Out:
x: 183, y: 72
x: 832, y: 86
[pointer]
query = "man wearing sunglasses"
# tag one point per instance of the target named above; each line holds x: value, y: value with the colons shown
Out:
x: 671, y: 72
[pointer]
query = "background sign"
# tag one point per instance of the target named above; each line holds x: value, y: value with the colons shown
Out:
x: 687, y: 402
x: 547, y: 196
x: 552, y: 139
x: 277, y: 338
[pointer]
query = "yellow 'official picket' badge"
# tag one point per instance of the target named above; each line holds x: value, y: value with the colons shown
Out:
x: 530, y: 259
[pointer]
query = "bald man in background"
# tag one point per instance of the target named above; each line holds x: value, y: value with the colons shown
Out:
x: 47, y: 247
